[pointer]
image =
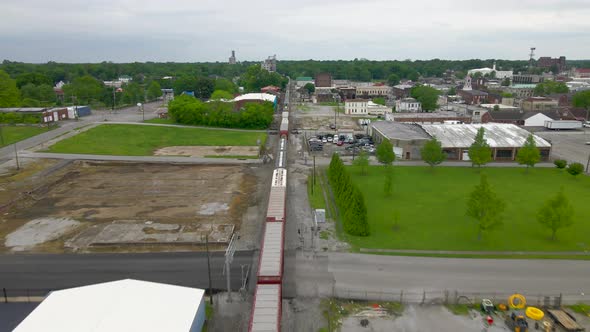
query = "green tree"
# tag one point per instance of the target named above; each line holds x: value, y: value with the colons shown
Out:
x: 575, y: 169
x: 529, y: 154
x: 384, y: 153
x: 432, y: 152
x: 392, y: 80
x: 9, y: 93
x: 452, y: 91
x: 485, y: 207
x: 505, y: 82
x: 582, y: 99
x: 556, y: 213
x: 184, y: 83
x: 256, y: 78
x: 221, y: 94
x: 309, y: 87
x: 225, y: 85
x: 480, y: 152
x: 86, y: 89
x: 362, y: 162
x: 46, y: 94
x: 549, y: 87
x: 154, y: 91
x: 379, y: 100
x: 32, y: 78
x: 426, y: 95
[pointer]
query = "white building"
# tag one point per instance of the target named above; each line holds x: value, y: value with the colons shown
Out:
x: 119, y: 306
x: 364, y: 107
x: 500, y: 74
x: 408, y: 105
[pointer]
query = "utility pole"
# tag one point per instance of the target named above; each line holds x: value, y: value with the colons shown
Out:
x: 209, y: 269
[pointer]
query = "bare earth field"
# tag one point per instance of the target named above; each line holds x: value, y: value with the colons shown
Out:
x: 84, y: 206
x: 204, y: 151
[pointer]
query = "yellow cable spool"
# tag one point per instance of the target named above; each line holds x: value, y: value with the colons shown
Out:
x: 517, y: 301
x: 534, y: 313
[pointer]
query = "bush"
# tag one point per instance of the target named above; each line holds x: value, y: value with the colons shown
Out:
x: 575, y: 169
x: 560, y: 163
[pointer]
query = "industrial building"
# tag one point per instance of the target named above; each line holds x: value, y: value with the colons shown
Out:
x: 119, y: 306
x: 408, y: 139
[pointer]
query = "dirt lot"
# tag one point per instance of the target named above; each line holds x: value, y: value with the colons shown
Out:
x: 89, y: 198
x: 205, y: 151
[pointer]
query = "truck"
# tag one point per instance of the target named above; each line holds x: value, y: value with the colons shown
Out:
x: 562, y: 124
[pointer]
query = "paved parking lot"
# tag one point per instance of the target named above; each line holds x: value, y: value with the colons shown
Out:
x: 569, y: 145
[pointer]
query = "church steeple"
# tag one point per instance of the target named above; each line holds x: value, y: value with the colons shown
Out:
x: 467, y: 85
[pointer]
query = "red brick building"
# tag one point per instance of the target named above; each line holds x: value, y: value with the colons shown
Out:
x: 323, y: 80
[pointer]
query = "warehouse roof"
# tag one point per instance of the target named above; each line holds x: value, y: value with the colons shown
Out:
x: 117, y: 306
x: 257, y: 96
x: 400, y: 131
x: 498, y: 135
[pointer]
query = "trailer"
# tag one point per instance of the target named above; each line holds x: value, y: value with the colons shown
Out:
x: 563, y: 124
x: 278, y: 193
x: 270, y: 266
x: 284, y: 128
x: 562, y: 318
x: 267, y: 309
x: 285, y: 115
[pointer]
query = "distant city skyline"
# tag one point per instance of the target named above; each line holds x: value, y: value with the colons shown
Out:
x: 194, y: 31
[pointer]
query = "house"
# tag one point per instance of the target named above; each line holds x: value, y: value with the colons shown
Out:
x: 473, y: 97
x: 520, y: 117
x: 408, y: 105
x: 364, y: 107
x: 323, y: 80
x: 539, y: 104
x: 119, y: 306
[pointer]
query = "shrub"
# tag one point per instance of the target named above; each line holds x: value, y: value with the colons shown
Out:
x: 575, y: 169
x: 560, y: 163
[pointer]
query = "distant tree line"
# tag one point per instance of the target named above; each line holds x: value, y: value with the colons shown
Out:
x: 349, y: 199
x: 192, y: 111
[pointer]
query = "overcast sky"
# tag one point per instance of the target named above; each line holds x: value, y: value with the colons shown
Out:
x: 203, y: 30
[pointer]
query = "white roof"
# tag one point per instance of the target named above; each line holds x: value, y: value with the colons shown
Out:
x: 272, y: 250
x: 117, y: 306
x: 498, y: 135
x: 267, y: 307
x: 256, y: 96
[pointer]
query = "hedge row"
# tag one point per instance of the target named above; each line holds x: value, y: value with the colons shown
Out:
x: 349, y: 199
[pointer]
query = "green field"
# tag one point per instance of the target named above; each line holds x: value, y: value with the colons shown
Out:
x: 432, y: 203
x: 138, y: 140
x: 161, y: 121
x: 12, y: 134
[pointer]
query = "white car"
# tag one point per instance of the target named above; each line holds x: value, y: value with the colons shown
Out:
x: 586, y: 124
x: 330, y: 139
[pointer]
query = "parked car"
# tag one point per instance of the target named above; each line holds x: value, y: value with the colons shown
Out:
x: 332, y: 126
x: 330, y: 139
x: 324, y: 140
x: 340, y: 143
x: 586, y: 124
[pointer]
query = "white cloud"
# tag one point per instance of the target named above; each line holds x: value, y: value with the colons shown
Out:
x: 202, y: 30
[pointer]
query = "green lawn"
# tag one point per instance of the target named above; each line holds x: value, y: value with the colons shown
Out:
x: 138, y: 140
x: 432, y: 203
x: 316, y: 198
x: 12, y: 134
x: 161, y: 121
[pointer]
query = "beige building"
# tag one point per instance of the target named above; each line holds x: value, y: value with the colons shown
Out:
x: 364, y: 107
x: 374, y: 91
x: 539, y: 104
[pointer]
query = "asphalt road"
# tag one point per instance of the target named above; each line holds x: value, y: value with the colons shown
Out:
x: 569, y: 145
x: 48, y: 271
x: 343, y: 273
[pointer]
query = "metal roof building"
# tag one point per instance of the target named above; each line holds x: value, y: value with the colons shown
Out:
x: 119, y: 306
x: 498, y: 135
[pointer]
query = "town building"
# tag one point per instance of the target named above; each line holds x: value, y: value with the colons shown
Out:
x: 527, y: 79
x: 500, y: 74
x: 520, y: 90
x: 364, y: 107
x: 270, y: 64
x: 539, y: 104
x: 303, y: 80
x: 473, y: 97
x: 408, y: 105
x: 427, y: 117
x: 402, y: 90
x: 119, y: 306
x: 255, y: 98
x: 373, y: 91
x: 408, y: 139
x: 270, y: 89
x: 232, y: 58
x: 520, y: 118
x: 581, y: 73
x: 549, y: 63
x: 323, y: 80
